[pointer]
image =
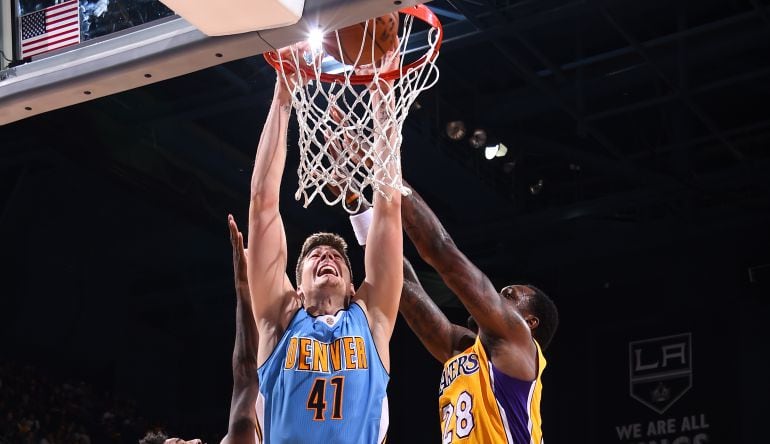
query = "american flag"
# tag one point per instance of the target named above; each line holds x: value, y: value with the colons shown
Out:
x: 50, y: 28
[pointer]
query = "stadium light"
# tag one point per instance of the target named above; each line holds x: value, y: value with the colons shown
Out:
x: 497, y: 150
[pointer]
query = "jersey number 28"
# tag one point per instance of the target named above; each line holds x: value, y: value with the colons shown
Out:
x: 462, y: 414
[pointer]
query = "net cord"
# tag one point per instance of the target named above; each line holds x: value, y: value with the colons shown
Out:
x: 350, y: 135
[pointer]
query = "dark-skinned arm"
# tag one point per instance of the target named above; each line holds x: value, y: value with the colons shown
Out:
x: 439, y: 336
x: 243, y: 415
x: 470, y: 284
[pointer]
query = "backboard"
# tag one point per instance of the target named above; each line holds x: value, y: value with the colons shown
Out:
x: 153, y: 52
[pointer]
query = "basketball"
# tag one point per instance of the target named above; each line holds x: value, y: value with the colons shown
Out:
x: 358, y: 38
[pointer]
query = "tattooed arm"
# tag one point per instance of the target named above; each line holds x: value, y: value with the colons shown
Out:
x: 474, y: 289
x: 439, y: 336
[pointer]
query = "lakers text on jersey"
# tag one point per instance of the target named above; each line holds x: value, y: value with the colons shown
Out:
x: 479, y: 404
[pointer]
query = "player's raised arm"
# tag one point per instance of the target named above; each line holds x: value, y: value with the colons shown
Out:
x: 243, y: 416
x: 469, y: 283
x: 439, y: 336
x: 273, y: 297
x: 381, y: 289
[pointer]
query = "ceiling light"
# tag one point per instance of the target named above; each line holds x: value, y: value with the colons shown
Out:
x: 497, y: 150
x: 455, y: 129
x: 315, y: 39
x: 478, y: 139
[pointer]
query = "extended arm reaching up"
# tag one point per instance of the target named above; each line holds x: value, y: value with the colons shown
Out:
x: 439, y: 336
x: 469, y: 283
x: 383, y: 257
x: 273, y: 296
x: 243, y: 416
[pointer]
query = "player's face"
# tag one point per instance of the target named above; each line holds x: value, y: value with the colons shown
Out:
x: 519, y: 295
x: 325, y: 266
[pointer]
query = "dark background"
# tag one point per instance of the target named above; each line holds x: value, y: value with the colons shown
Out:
x: 648, y: 123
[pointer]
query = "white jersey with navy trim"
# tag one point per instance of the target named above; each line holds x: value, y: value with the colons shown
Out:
x: 324, y: 382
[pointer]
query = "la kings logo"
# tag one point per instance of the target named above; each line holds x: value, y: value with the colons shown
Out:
x: 660, y: 370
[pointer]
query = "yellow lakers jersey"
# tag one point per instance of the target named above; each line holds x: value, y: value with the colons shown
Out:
x: 479, y: 404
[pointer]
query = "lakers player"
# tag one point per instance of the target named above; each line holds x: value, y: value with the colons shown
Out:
x: 323, y: 356
x: 490, y: 387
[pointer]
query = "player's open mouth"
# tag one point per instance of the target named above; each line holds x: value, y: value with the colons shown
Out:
x: 327, y: 269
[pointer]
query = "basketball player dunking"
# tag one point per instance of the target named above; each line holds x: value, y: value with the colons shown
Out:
x: 323, y: 347
x: 490, y: 387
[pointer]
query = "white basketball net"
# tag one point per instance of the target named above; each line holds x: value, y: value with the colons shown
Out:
x: 350, y: 135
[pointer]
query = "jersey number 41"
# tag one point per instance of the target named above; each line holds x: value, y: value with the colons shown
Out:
x: 316, y: 400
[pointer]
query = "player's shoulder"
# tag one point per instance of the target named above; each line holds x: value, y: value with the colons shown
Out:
x: 357, y: 307
x: 361, y: 296
x: 360, y: 312
x: 517, y: 359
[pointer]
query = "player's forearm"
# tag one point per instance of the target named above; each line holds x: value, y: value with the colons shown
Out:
x: 383, y: 256
x: 246, y: 341
x: 386, y: 152
x: 243, y: 416
x: 437, y: 248
x: 245, y: 380
x: 425, y: 319
x: 386, y: 223
x: 425, y: 230
x: 271, y: 152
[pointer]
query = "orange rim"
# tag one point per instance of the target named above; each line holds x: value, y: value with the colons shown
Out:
x: 419, y: 11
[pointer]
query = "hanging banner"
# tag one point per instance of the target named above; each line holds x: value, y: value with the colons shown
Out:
x: 657, y: 386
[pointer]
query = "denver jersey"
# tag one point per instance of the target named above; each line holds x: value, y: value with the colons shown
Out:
x: 479, y: 404
x: 324, y: 382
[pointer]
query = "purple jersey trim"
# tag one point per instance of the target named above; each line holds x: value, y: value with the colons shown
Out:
x: 513, y: 395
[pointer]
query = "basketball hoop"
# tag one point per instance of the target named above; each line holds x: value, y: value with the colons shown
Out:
x: 351, y: 119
